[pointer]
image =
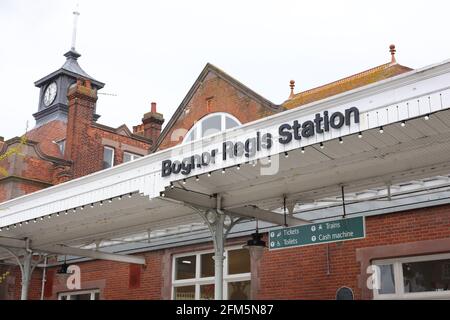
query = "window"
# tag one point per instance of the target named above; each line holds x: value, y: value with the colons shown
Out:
x: 80, y: 295
x: 231, y: 123
x: 425, y: 277
x: 193, y: 275
x: 211, y: 124
x: 128, y: 156
x: 108, y: 157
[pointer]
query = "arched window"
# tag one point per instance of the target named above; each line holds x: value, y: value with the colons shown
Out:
x: 211, y: 124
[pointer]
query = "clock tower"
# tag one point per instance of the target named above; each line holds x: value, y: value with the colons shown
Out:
x: 53, y: 103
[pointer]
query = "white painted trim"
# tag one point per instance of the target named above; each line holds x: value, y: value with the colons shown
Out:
x: 198, y: 281
x: 398, y: 278
x: 133, y: 156
x: 144, y: 175
x: 112, y: 155
x: 94, y: 254
x: 197, y: 127
x: 68, y: 294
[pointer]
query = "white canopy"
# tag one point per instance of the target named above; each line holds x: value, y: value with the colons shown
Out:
x: 134, y: 197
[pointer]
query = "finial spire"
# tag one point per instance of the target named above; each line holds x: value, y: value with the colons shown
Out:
x: 74, y: 31
x: 292, y: 85
x: 392, y: 51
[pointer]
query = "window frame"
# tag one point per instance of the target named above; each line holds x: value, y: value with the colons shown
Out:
x: 68, y: 294
x: 198, y: 281
x: 134, y: 156
x: 197, y: 127
x: 399, y: 281
x: 113, y: 155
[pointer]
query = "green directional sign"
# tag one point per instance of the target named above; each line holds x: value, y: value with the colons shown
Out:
x: 316, y: 233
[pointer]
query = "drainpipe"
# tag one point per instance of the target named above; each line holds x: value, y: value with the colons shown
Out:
x: 219, y: 250
x: 44, y: 278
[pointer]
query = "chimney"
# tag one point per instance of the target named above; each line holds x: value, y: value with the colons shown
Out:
x: 82, y: 99
x: 151, y: 124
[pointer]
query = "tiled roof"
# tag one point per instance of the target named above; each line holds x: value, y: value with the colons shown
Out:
x: 382, y: 72
x: 46, y: 134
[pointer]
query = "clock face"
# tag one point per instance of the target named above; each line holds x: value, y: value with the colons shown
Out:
x: 50, y: 93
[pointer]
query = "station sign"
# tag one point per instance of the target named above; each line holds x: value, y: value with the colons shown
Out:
x: 287, y: 132
x: 317, y: 233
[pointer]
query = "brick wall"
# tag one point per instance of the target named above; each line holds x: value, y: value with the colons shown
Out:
x: 119, y: 143
x: 11, y: 288
x: 85, y: 140
x: 296, y: 273
x: 80, y: 147
x: 214, y: 95
x: 111, y: 278
x: 27, y: 172
x: 301, y: 273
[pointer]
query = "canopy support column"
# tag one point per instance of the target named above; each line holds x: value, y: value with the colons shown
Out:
x: 26, y: 274
x: 26, y: 267
x: 219, y: 257
x: 219, y: 223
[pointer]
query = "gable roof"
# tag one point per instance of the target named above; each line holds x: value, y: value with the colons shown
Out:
x: 227, y: 78
x: 46, y: 136
x: 378, y: 73
x: 123, y: 131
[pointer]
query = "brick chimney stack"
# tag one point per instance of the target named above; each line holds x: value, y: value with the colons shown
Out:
x: 151, y: 124
x: 82, y: 99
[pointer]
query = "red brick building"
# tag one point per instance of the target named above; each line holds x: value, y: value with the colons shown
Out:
x: 67, y: 141
x: 409, y: 234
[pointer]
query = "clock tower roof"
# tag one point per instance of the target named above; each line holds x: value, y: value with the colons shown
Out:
x: 59, y: 81
x: 53, y: 102
x: 72, y: 69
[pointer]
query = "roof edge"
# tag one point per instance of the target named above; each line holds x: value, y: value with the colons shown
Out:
x: 384, y: 66
x: 114, y: 130
x: 37, y: 149
x: 226, y: 77
x: 97, y: 83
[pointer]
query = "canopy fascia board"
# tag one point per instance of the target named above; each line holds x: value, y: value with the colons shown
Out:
x: 12, y: 243
x: 66, y: 250
x: 93, y: 254
x: 427, y: 85
x: 264, y: 215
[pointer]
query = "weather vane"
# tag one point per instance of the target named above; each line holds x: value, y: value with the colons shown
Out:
x: 74, y: 31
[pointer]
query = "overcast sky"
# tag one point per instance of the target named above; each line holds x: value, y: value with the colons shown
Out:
x: 154, y: 50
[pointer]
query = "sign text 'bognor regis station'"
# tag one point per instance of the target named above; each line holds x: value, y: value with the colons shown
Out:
x: 287, y: 132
